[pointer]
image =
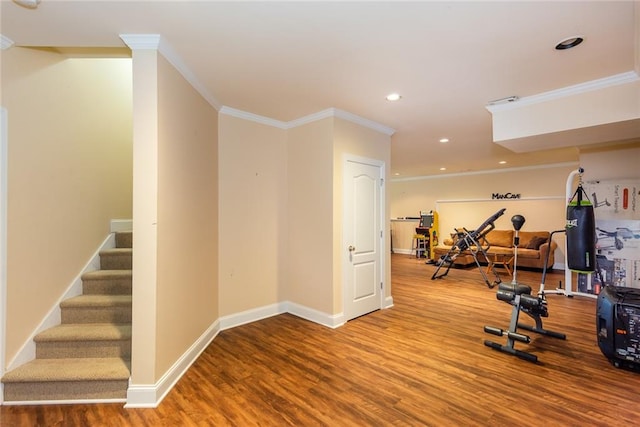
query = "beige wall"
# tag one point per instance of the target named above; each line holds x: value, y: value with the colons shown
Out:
x: 465, y: 200
x: 310, y: 234
x: 353, y: 139
x: 281, y: 211
x: 253, y: 219
x: 69, y: 173
x: 603, y: 164
x: 187, y: 287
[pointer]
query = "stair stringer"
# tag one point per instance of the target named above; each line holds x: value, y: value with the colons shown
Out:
x: 28, y: 351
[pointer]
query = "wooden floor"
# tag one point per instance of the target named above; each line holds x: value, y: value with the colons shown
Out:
x: 421, y: 362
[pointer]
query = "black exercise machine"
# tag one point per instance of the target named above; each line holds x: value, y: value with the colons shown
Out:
x: 519, y: 296
x: 471, y: 241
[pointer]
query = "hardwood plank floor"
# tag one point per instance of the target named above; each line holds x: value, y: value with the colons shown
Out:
x: 421, y: 362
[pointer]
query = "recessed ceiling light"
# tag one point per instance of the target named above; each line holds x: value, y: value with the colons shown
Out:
x: 569, y: 42
x: 444, y: 140
x: 503, y: 162
x: 443, y: 169
x: 397, y: 174
x: 393, y: 97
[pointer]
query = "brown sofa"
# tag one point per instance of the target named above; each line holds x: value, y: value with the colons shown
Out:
x: 532, y: 249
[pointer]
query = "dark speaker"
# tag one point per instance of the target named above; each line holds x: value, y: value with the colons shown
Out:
x: 618, y: 325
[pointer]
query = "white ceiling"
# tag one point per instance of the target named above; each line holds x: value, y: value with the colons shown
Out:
x: 287, y: 60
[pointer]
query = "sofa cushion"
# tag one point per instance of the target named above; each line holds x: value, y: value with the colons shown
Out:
x: 526, y: 236
x: 536, y: 242
x: 503, y: 238
x: 499, y: 250
x: 528, y: 253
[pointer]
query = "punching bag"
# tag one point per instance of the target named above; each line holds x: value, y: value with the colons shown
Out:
x: 581, y: 233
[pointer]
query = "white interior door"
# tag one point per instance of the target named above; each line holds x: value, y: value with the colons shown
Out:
x: 363, y: 236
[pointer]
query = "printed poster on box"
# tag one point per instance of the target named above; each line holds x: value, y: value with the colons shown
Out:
x: 617, y: 213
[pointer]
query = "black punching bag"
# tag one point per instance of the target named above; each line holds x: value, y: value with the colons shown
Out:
x: 581, y: 233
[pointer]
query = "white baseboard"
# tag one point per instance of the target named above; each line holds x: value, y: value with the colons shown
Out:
x: 253, y: 315
x: 150, y: 395
x: 28, y: 351
x: 62, y: 402
x: 328, y: 320
x: 388, y: 302
x: 403, y: 251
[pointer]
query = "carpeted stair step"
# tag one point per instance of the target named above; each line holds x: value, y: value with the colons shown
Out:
x: 107, y: 282
x: 124, y: 239
x: 66, y: 379
x: 84, y: 340
x: 116, y: 259
x: 96, y: 309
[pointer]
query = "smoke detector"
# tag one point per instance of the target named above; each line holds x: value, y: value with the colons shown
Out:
x: 508, y: 99
x: 29, y: 4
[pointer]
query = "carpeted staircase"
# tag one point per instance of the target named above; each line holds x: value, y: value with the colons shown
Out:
x: 87, y: 356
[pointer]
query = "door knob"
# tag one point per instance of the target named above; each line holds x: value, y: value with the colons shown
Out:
x: 352, y: 248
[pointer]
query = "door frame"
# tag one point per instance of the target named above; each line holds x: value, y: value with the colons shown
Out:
x: 381, y: 165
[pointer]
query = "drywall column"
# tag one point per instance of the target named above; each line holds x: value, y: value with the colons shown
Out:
x: 145, y: 208
x: 5, y: 43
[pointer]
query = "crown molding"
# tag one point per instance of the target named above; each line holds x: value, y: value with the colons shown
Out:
x: 234, y: 112
x: 174, y: 59
x: 364, y: 122
x: 485, y: 172
x: 341, y: 114
x: 617, y: 79
x: 141, y: 41
x: 159, y: 43
x: 5, y: 42
x: 329, y: 112
x: 155, y: 41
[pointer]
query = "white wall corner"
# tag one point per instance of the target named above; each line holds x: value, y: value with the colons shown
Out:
x: 5, y: 42
x: 150, y: 395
